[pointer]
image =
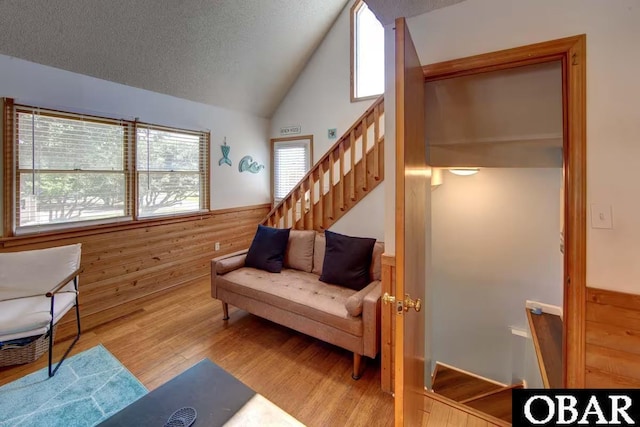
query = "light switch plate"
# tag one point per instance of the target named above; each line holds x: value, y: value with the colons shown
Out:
x: 601, y: 216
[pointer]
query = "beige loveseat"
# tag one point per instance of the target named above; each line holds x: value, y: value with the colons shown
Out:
x: 297, y: 299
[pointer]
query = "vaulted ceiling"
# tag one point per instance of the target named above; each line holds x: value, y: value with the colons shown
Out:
x: 243, y: 55
x: 388, y: 10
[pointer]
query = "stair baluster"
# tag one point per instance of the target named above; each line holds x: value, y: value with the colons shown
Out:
x: 311, y: 205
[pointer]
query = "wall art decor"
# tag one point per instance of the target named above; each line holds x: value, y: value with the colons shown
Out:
x: 225, y: 160
x: 248, y: 165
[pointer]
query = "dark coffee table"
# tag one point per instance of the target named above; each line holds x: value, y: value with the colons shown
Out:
x: 214, y: 393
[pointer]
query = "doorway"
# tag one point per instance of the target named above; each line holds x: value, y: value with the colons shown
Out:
x: 571, y: 54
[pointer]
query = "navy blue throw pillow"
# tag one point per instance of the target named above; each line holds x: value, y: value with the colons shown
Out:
x: 347, y: 260
x: 267, y: 249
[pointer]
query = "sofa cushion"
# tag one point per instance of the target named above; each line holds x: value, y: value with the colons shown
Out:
x: 347, y: 260
x: 318, y: 253
x: 296, y: 291
x: 267, y: 249
x: 299, y: 253
x: 376, y: 261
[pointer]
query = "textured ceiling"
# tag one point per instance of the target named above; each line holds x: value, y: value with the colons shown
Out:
x: 242, y: 55
x: 388, y: 10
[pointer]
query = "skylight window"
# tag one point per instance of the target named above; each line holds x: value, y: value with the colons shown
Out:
x: 367, y: 53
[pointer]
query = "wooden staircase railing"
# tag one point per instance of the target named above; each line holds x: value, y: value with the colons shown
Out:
x: 347, y: 172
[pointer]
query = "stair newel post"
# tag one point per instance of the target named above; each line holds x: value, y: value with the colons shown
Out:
x: 352, y: 162
x: 365, y: 132
x: 312, y: 201
x: 321, y: 210
x: 342, y: 184
x: 332, y: 183
x: 376, y: 141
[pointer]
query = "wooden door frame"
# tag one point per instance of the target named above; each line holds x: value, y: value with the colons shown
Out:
x: 571, y: 52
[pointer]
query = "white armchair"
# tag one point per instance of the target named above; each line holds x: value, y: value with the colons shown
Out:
x: 37, y: 288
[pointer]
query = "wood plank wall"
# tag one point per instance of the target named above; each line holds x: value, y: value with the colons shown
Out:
x: 613, y: 339
x: 388, y: 321
x: 125, y: 264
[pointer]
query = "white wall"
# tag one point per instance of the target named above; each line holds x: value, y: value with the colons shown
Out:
x: 613, y: 102
x: 365, y: 218
x: 495, y: 244
x: 39, y: 85
x: 319, y: 100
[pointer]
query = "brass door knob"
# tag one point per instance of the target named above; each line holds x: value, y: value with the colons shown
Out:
x: 409, y: 303
x: 388, y: 299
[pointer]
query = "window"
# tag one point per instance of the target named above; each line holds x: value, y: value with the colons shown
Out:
x: 367, y: 53
x: 69, y: 169
x: 291, y: 160
x: 170, y: 171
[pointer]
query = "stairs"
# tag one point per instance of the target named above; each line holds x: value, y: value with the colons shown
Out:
x: 476, y: 392
x: 546, y: 331
x: 348, y: 171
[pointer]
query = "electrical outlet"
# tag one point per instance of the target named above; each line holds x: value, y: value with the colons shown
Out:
x: 217, y: 246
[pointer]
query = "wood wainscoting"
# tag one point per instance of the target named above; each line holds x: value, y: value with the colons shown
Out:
x: 388, y: 322
x: 126, y: 263
x: 613, y: 339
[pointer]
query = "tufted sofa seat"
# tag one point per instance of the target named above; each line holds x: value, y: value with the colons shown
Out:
x: 299, y: 300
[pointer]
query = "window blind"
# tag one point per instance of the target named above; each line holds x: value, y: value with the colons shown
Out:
x: 171, y: 170
x: 291, y: 162
x: 70, y: 168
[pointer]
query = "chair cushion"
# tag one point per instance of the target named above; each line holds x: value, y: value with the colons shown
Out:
x: 299, y: 253
x: 347, y: 260
x: 33, y: 273
x: 267, y: 249
x: 30, y: 316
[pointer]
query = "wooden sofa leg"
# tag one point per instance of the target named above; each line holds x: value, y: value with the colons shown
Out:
x: 357, y: 366
x: 225, y: 311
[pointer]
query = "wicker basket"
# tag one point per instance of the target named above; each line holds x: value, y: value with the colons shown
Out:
x: 27, y: 353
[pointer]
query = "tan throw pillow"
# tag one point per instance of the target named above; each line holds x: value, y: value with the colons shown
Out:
x: 299, y: 253
x: 318, y: 254
x: 376, y: 261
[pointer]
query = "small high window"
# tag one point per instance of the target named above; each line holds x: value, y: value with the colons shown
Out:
x: 367, y: 53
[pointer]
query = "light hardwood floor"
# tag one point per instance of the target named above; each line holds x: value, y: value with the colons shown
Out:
x: 159, y: 337
x: 166, y: 334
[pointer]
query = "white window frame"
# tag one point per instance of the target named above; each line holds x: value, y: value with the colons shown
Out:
x: 354, y: 74
x: 306, y: 140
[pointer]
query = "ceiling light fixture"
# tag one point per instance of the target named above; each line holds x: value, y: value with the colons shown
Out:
x: 464, y: 171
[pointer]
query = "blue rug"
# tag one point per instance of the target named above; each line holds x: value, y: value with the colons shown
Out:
x: 87, y: 389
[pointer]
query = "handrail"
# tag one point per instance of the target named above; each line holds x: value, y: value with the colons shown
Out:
x: 371, y: 117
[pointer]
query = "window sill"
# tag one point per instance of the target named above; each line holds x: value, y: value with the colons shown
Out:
x: 75, y: 232
x: 365, y: 98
